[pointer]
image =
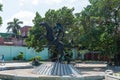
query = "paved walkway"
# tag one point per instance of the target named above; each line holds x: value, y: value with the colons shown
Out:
x: 91, y: 69
x: 16, y: 65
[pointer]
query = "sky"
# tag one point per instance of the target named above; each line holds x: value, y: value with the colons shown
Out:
x: 25, y: 10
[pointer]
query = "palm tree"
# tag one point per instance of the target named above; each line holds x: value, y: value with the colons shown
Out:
x: 14, y: 26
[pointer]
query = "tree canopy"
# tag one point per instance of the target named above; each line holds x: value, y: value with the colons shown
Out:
x: 95, y: 28
x: 64, y: 16
x: 100, y: 21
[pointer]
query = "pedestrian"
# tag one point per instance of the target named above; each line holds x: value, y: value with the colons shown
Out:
x: 2, y: 58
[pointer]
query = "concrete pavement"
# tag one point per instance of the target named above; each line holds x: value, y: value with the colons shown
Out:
x: 24, y: 69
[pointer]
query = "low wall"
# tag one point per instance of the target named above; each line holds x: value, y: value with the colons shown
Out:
x: 12, y: 51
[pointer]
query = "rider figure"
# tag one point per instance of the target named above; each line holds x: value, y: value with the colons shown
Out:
x: 59, y: 29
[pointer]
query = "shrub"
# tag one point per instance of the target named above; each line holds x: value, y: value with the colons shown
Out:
x: 38, y: 58
x: 20, y: 56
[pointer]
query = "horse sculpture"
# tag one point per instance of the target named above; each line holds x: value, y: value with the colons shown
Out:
x: 53, y: 40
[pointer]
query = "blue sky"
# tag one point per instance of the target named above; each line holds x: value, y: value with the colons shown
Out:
x: 25, y: 10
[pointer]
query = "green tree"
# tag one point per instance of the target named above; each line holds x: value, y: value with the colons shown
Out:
x: 37, y: 39
x: 14, y: 26
x: 0, y: 16
x: 34, y: 40
x: 100, y: 22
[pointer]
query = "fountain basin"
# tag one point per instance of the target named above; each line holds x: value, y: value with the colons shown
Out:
x: 28, y: 74
x: 14, y: 77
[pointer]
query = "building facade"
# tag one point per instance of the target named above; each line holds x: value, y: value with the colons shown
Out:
x: 10, y: 39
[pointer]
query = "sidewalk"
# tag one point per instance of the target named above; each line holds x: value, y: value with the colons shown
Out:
x: 15, y: 65
x: 88, y: 69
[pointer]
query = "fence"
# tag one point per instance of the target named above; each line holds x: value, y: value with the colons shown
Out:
x: 12, y: 51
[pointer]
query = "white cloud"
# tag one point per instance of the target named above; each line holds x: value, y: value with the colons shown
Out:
x: 24, y: 16
x: 21, y: 2
x: 50, y: 2
x: 1, y: 1
x: 26, y: 2
x: 35, y: 2
x: 54, y: 1
x: 72, y: 1
x: 78, y: 5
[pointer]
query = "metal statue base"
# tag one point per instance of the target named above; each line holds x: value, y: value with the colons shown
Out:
x: 56, y: 69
